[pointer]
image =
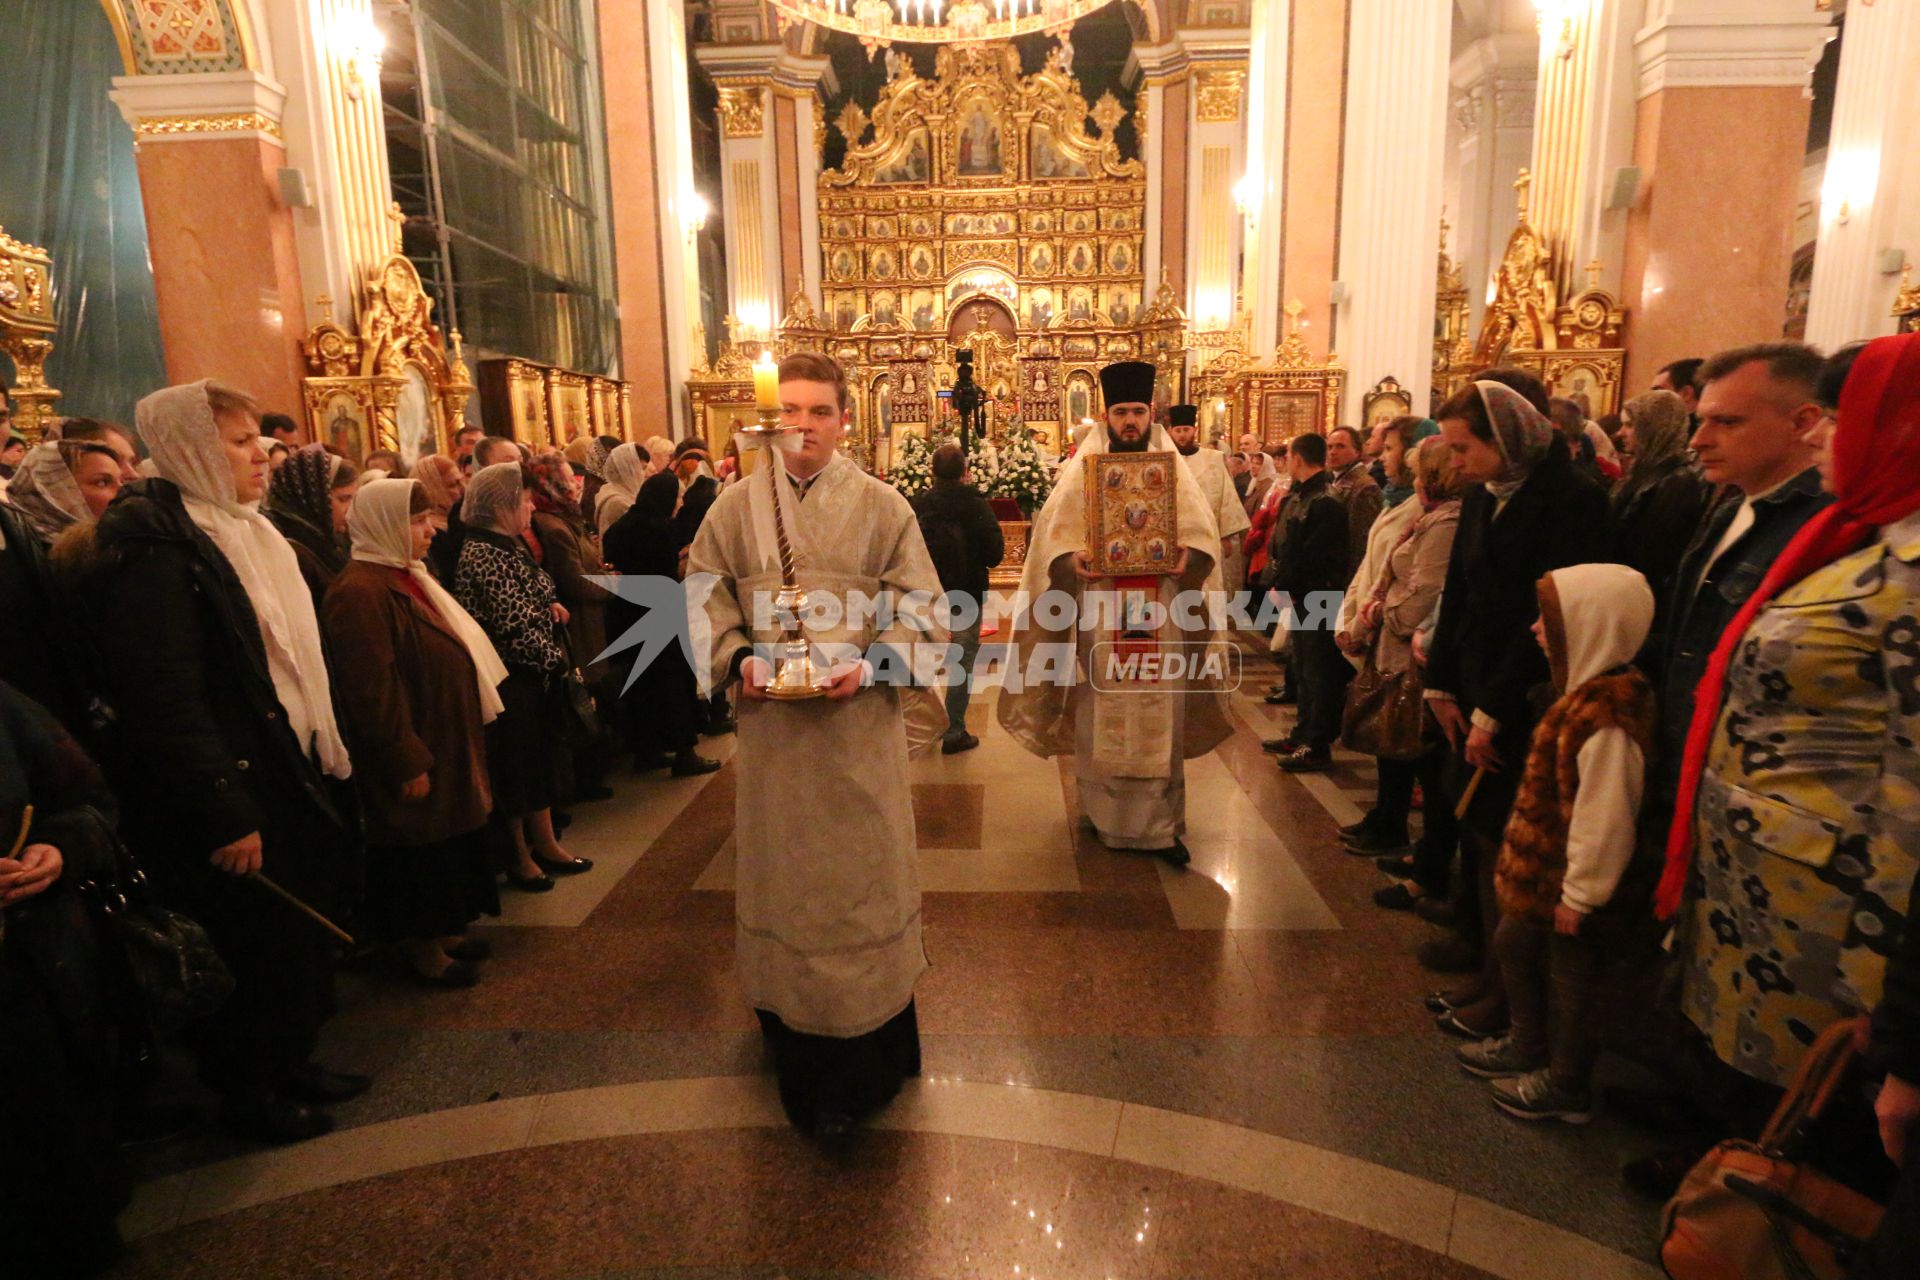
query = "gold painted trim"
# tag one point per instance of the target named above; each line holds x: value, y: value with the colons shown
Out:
x: 122, y: 36
x: 243, y: 30
x: 227, y: 122
x: 742, y: 111
x: 1218, y: 92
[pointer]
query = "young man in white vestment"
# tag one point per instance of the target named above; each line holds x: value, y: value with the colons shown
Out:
x: 827, y: 886
x: 1129, y: 725
x: 1209, y: 467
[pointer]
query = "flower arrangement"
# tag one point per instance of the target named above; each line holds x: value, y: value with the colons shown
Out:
x: 1022, y: 474
x: 912, y: 469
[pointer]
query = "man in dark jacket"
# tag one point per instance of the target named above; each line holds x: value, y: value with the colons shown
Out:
x: 1352, y: 482
x: 964, y: 540
x: 1310, y: 544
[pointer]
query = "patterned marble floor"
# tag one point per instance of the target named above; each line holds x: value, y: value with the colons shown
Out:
x: 1130, y: 1071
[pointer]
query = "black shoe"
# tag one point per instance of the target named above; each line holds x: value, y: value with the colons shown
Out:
x: 563, y: 866
x: 315, y: 1084
x: 1307, y: 760
x: 1395, y: 897
x: 469, y: 949
x: 138, y: 1125
x: 1282, y: 746
x: 273, y: 1119
x: 1355, y: 830
x: 458, y: 975
x: 1401, y: 867
x: 1659, y: 1175
x: 954, y: 746
x: 720, y: 727
x: 587, y: 795
x: 1450, y: 955
x: 689, y: 765
x: 1174, y: 855
x: 1281, y: 697
x: 1438, y: 1002
x: 1437, y: 911
x: 1369, y: 845
x: 530, y: 884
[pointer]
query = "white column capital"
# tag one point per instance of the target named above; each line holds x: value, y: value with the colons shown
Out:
x: 1507, y: 55
x: 201, y: 105
x: 1718, y: 44
x: 805, y: 75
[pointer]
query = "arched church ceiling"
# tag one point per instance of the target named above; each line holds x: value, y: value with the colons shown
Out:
x: 175, y: 37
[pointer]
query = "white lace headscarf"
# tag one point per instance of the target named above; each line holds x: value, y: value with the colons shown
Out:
x: 626, y: 471
x: 378, y: 525
x: 183, y: 441
x: 493, y: 498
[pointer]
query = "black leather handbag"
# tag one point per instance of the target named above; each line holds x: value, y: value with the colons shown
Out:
x: 168, y: 970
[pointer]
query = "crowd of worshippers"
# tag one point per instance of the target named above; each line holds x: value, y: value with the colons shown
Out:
x: 370, y: 693
x: 1669, y: 666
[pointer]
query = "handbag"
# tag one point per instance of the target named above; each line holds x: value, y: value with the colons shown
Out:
x: 581, y: 705
x: 1753, y: 1211
x: 1385, y: 714
x: 168, y: 972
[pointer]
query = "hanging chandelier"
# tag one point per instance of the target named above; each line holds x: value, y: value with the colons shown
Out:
x: 881, y: 22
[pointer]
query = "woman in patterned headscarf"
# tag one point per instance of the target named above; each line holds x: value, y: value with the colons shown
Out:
x: 308, y: 501
x: 1660, y: 501
x: 1528, y: 511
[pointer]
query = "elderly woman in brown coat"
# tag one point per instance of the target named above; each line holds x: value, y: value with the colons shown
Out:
x: 418, y: 683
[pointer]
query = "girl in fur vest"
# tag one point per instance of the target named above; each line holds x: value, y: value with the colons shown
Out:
x: 1572, y: 882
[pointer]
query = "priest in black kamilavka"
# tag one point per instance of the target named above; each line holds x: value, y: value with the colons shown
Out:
x: 1129, y: 702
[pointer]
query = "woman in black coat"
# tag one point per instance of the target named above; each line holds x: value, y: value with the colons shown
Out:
x: 308, y: 500
x: 222, y: 744
x: 662, y: 709
x: 63, y: 1179
x: 1529, y: 511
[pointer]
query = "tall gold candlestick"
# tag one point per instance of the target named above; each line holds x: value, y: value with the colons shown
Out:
x: 794, y: 674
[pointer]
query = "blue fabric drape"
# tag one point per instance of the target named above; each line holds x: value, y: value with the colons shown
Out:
x: 68, y: 184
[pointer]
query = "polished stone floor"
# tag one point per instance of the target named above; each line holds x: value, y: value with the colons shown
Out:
x: 1130, y: 1072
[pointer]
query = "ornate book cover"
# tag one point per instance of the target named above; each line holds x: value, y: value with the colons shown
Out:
x: 1133, y: 513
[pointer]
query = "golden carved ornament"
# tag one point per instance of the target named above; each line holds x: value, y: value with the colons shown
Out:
x: 1906, y: 305
x: 742, y: 110
x: 225, y: 122
x: 26, y: 332
x: 1218, y: 92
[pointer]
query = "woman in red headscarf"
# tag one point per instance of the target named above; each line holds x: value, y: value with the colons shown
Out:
x: 1800, y: 789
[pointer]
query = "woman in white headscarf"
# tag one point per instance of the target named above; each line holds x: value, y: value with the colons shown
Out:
x: 222, y: 744
x: 626, y: 471
x: 424, y: 684
x: 515, y: 601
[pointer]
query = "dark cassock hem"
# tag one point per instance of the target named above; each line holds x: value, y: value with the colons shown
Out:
x: 848, y: 1077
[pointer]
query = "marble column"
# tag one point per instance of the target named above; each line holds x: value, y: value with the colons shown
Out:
x: 1493, y: 81
x: 1315, y: 145
x: 750, y: 182
x: 801, y: 85
x: 326, y: 54
x: 1164, y: 108
x: 654, y: 202
x: 1870, y: 199
x: 1720, y: 143
x: 1262, y: 188
x: 1390, y: 202
x: 226, y: 268
x: 1217, y: 156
